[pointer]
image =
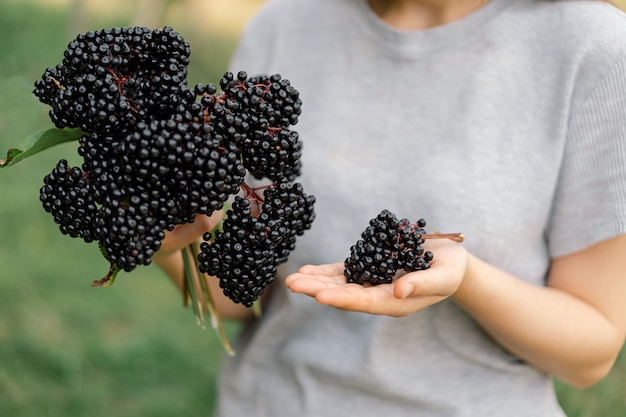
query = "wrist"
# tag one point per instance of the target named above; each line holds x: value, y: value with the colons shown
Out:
x: 468, y: 290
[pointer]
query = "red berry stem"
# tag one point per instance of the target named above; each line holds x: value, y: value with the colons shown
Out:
x: 457, y: 237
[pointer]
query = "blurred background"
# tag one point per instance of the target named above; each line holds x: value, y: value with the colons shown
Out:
x: 67, y: 349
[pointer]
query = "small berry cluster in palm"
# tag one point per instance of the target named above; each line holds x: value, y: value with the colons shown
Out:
x: 387, y: 245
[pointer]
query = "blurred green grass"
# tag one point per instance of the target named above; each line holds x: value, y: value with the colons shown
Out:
x: 67, y: 349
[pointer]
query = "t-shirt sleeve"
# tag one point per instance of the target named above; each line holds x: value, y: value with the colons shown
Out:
x: 590, y: 198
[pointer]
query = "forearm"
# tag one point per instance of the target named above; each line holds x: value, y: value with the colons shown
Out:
x: 550, y: 328
x: 573, y: 328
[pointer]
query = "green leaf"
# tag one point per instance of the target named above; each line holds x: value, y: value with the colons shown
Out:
x: 39, y: 141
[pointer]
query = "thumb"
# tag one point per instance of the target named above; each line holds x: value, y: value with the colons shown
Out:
x: 434, y: 281
x: 442, y: 278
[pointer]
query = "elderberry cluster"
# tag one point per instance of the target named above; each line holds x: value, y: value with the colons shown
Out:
x: 156, y: 153
x: 111, y: 78
x: 270, y: 150
x: 245, y: 254
x: 387, y: 245
x: 68, y: 196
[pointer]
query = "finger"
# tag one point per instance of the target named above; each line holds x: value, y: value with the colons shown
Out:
x: 311, y: 284
x: 335, y: 292
x: 354, y: 297
x: 378, y: 300
x: 324, y: 269
x: 444, y: 275
x: 438, y: 280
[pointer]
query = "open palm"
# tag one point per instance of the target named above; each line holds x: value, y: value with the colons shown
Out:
x: 408, y: 293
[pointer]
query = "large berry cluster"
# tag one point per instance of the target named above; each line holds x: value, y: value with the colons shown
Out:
x: 271, y: 149
x: 111, y: 78
x: 245, y: 254
x: 156, y: 153
x: 387, y: 245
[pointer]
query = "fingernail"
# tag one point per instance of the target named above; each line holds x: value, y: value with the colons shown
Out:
x: 408, y: 290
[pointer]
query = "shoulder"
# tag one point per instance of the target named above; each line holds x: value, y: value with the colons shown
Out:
x: 593, y: 23
x: 288, y: 18
x: 582, y: 41
x: 584, y: 26
x: 565, y: 22
x: 297, y: 12
x: 596, y: 32
x: 284, y: 28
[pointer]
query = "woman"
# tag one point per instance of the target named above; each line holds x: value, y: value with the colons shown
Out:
x: 504, y: 120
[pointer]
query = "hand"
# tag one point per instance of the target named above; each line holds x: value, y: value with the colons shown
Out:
x: 408, y: 293
x: 185, y: 234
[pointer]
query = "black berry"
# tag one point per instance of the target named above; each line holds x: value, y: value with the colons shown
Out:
x: 157, y: 153
x: 387, y: 245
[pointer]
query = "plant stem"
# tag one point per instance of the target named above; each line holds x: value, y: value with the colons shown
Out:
x: 457, y: 237
x: 214, y: 313
x: 108, y: 279
x: 192, y: 288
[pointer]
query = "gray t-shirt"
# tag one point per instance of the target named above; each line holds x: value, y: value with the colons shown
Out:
x: 508, y: 126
